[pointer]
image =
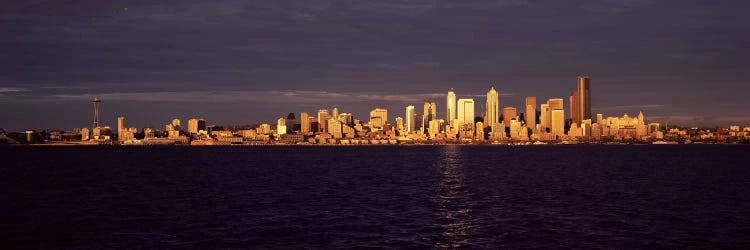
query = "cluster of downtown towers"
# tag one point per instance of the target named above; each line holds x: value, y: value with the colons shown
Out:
x: 460, y: 120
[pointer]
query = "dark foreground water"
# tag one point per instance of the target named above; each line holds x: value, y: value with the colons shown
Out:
x: 351, y: 197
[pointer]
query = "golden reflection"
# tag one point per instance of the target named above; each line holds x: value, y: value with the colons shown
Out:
x: 455, y: 216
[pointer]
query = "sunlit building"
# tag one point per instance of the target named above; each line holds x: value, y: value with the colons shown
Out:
x: 558, y: 122
x: 304, y: 125
x: 509, y: 113
x: 479, y: 131
x: 281, y: 126
x: 322, y: 120
x: 378, y: 118
x: 399, y: 123
x: 429, y: 114
x: 410, y: 119
x: 195, y: 125
x: 530, y: 115
x: 465, y: 121
x: 450, y: 106
x: 584, y: 98
x: 335, y: 129
x: 492, y: 109
x: 545, y: 117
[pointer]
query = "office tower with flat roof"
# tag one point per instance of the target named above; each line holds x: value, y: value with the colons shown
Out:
x: 450, y: 106
x: 558, y: 122
x: 281, y: 126
x: 575, y: 116
x: 410, y: 119
x: 509, y: 113
x: 492, y: 110
x: 323, y: 120
x: 399, y: 123
x: 584, y: 97
x: 429, y: 114
x: 121, y: 129
x: 304, y: 119
x: 465, y: 111
x: 378, y: 118
x: 545, y: 118
x: 195, y: 125
x: 465, y: 121
x: 556, y: 103
x: 530, y: 115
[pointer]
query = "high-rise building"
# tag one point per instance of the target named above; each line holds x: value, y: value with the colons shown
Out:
x: 584, y: 98
x: 195, y: 125
x: 346, y: 118
x: 304, y: 119
x: 335, y: 128
x: 557, y: 112
x: 85, y: 134
x: 430, y: 113
x: 575, y: 115
x: 323, y: 120
x: 492, y: 109
x: 558, y: 122
x: 399, y: 123
x: 545, y: 118
x: 530, y: 115
x: 121, y: 129
x: 465, y: 122
x: 378, y: 118
x: 450, y: 106
x: 509, y: 113
x: 281, y: 126
x: 479, y: 136
x: 410, y: 119
x: 465, y: 111
x: 555, y: 103
x: 335, y: 113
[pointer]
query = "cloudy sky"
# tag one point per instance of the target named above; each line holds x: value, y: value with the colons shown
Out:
x: 243, y: 62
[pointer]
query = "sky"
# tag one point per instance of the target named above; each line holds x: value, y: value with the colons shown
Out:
x: 245, y: 62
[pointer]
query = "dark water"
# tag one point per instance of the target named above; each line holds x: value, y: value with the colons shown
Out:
x: 351, y: 197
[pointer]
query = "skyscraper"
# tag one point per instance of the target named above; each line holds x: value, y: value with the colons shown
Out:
x: 281, y: 126
x: 450, y: 106
x: 575, y: 115
x: 335, y: 113
x: 584, y: 98
x: 323, y: 120
x: 546, y: 116
x: 378, y: 117
x: 304, y: 119
x: 558, y: 116
x: 555, y: 103
x: 509, y: 113
x: 530, y: 115
x: 558, y: 122
x: 121, y: 129
x: 492, y: 109
x: 429, y: 114
x: 465, y: 122
x: 410, y: 116
x: 195, y: 125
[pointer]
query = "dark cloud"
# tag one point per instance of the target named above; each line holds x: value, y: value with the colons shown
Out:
x: 685, y: 55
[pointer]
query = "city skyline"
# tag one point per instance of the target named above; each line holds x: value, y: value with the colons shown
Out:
x: 236, y: 63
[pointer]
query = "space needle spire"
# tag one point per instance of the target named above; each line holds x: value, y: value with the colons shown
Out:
x: 96, y: 102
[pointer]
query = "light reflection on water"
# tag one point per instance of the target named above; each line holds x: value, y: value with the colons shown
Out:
x: 455, y: 214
